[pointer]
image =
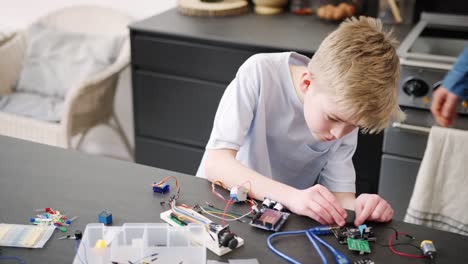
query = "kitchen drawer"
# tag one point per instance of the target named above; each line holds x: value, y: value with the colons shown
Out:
x: 397, y: 179
x: 406, y: 143
x: 169, y: 156
x: 188, y: 59
x: 174, y: 108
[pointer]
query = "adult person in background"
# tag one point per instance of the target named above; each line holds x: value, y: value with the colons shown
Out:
x: 454, y: 87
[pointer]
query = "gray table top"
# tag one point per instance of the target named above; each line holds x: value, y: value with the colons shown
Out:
x: 278, y: 33
x: 36, y: 176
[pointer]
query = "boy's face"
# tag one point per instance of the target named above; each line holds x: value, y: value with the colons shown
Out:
x: 325, y: 119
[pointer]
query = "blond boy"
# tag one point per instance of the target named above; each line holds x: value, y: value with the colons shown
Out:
x: 286, y: 122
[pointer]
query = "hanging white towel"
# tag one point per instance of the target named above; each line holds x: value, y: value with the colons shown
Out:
x: 440, y: 195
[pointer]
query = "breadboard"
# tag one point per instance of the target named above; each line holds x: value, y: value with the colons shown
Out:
x: 207, y: 239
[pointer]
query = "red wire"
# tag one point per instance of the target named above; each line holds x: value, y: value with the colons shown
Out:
x: 224, y: 212
x: 167, y: 179
x: 399, y: 253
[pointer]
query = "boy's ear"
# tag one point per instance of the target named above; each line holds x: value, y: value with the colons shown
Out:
x: 305, y: 81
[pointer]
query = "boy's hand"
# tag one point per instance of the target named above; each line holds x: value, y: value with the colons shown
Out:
x: 372, y: 207
x: 318, y: 203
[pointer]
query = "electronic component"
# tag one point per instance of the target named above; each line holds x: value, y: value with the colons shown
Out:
x: 219, y: 239
x: 224, y: 236
x: 239, y: 193
x: 270, y: 216
x: 161, y: 188
x: 428, y: 249
x: 350, y: 217
x: 267, y: 203
x: 361, y: 228
x: 105, y: 217
x: 278, y: 207
x: 343, y: 233
x: 358, y: 245
x: 78, y: 235
x: 364, y: 261
x: 367, y: 233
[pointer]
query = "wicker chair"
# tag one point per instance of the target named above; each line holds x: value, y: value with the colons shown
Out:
x: 87, y: 104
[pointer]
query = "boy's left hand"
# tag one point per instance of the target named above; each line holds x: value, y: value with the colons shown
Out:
x: 371, y: 207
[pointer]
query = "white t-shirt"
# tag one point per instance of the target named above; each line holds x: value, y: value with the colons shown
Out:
x: 261, y: 116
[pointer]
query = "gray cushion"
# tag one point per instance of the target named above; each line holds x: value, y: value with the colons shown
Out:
x: 57, y: 60
x: 36, y: 106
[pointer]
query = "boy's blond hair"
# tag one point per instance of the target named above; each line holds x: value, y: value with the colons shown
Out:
x: 359, y: 66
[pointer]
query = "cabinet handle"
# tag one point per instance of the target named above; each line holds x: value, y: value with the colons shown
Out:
x: 412, y: 128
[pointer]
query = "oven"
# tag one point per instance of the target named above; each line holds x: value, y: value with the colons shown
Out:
x: 426, y: 54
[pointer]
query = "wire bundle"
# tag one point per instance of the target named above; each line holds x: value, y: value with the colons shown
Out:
x: 217, y: 213
x: 313, y: 238
x: 399, y: 253
x: 180, y: 210
x: 163, y: 181
x: 229, y: 202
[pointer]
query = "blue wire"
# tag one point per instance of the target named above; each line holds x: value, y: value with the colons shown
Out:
x: 339, y: 257
x: 20, y: 260
x: 311, y: 235
x: 279, y: 253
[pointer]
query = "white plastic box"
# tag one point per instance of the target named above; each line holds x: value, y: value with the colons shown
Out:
x: 136, y: 243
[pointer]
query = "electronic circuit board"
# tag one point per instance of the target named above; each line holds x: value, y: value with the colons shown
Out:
x: 269, y: 219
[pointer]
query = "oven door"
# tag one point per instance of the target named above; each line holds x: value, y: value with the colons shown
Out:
x: 397, y: 178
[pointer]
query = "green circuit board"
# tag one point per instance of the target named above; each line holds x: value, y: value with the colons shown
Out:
x: 358, y: 245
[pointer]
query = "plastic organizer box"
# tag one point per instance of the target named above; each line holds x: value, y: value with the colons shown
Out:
x: 141, y: 243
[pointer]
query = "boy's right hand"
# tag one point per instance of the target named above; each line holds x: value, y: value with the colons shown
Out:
x: 318, y: 203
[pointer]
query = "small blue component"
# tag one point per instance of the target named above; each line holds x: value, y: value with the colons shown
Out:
x: 362, y: 228
x: 105, y: 217
x: 161, y: 188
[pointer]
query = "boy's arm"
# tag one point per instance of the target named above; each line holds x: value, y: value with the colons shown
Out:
x: 315, y: 202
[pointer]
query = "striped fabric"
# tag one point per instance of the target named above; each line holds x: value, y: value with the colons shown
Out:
x: 439, y: 195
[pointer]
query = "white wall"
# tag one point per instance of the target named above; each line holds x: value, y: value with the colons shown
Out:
x: 18, y: 14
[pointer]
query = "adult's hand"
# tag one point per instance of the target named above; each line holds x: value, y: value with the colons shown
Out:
x: 444, y: 106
